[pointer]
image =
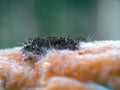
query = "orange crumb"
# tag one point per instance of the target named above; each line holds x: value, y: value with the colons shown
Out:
x: 92, y: 67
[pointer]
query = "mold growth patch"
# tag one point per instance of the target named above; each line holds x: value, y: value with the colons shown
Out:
x: 35, y: 47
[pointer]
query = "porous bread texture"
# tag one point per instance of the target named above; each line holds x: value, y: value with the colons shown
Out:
x: 91, y: 67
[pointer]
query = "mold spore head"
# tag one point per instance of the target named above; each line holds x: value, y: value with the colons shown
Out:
x: 39, y: 46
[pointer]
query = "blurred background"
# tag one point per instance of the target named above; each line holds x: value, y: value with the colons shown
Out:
x: 22, y: 19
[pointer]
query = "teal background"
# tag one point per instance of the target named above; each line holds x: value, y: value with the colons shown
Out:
x: 22, y: 19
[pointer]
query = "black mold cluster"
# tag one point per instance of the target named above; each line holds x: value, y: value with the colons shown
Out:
x: 39, y: 46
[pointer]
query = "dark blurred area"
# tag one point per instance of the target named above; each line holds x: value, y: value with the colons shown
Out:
x: 22, y: 19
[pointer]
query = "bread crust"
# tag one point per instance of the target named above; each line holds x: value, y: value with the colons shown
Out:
x: 94, y: 66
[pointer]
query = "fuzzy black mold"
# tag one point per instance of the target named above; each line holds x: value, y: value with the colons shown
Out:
x: 39, y: 46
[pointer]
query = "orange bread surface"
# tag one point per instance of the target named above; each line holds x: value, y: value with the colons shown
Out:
x: 95, y: 66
